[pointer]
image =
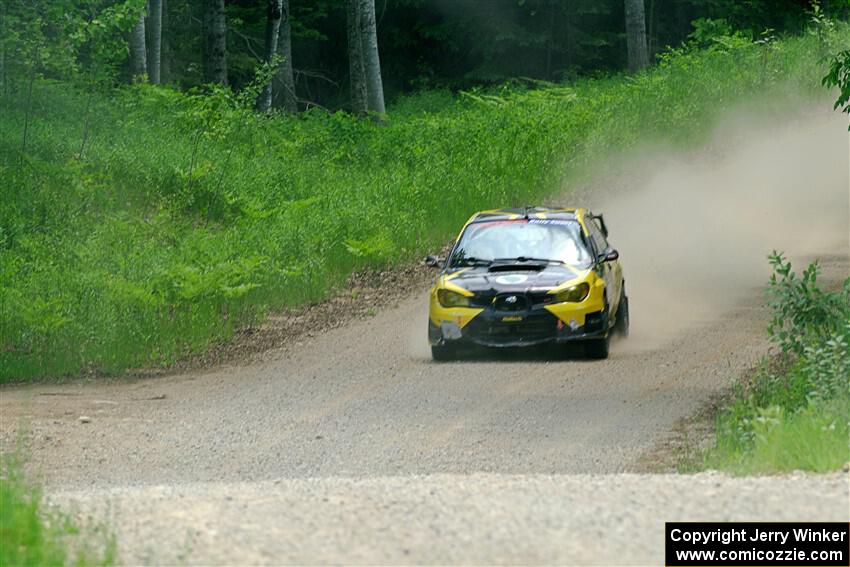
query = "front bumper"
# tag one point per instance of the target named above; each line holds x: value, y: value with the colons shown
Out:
x: 491, y: 328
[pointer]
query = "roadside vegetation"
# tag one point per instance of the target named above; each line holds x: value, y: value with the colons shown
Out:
x: 142, y: 224
x: 30, y: 534
x: 793, y: 413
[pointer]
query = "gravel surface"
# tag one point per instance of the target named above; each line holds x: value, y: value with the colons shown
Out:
x: 366, y: 400
x: 443, y: 519
x: 348, y: 444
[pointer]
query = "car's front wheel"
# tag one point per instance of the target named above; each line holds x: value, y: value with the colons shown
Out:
x: 443, y: 353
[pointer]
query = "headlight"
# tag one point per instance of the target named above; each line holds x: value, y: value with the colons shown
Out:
x: 573, y: 294
x: 449, y: 298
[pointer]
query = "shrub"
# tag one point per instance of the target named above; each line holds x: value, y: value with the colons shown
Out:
x: 794, y: 413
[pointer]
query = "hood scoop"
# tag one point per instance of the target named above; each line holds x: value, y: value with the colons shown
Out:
x: 523, y: 267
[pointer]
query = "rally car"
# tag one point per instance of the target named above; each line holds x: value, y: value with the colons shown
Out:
x: 522, y: 277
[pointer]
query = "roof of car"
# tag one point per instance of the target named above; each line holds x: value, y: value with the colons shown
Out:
x: 528, y: 212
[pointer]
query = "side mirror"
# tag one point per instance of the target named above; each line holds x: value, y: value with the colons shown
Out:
x: 433, y: 262
x: 609, y: 255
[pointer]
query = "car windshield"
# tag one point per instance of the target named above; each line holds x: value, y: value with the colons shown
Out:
x: 532, y: 239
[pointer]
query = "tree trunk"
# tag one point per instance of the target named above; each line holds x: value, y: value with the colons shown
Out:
x: 285, y: 75
x: 3, y: 83
x: 138, y: 55
x: 683, y: 20
x: 636, y: 35
x: 155, y: 34
x: 652, y: 28
x: 273, y: 14
x: 371, y: 60
x: 215, y: 42
x: 568, y: 39
x: 355, y: 59
x: 550, y: 41
x: 165, y: 48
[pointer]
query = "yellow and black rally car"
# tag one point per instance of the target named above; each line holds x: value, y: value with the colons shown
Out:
x: 521, y: 277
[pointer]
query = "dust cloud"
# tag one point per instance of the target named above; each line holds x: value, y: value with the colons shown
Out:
x: 694, y: 230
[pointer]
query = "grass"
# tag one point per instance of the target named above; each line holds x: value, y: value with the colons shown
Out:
x: 774, y: 437
x: 142, y: 225
x: 812, y: 440
x: 31, y: 535
x: 793, y: 413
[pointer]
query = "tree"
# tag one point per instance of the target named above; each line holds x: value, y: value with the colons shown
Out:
x: 285, y: 78
x: 154, y: 24
x: 278, y: 51
x: 165, y: 48
x: 4, y: 81
x: 138, y: 53
x: 215, y: 42
x: 274, y: 9
x: 371, y: 60
x: 355, y: 59
x: 839, y: 76
x: 636, y: 35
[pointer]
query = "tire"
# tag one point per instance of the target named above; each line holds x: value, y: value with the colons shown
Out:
x: 597, y: 349
x: 443, y: 353
x: 621, y: 323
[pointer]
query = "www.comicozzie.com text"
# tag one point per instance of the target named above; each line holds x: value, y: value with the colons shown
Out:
x: 742, y: 534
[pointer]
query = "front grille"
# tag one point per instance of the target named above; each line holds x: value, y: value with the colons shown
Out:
x: 510, y: 302
x: 495, y: 331
x: 532, y: 300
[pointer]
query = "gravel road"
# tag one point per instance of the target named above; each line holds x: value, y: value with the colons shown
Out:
x: 366, y: 400
x: 444, y: 519
x: 355, y: 447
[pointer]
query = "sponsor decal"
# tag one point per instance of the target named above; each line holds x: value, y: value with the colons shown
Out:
x: 512, y: 318
x: 512, y: 279
x: 451, y: 330
x: 550, y: 221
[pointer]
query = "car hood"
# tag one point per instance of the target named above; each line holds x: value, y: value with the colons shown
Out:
x: 513, y: 280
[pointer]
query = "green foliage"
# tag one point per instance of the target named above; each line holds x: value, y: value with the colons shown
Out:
x: 189, y: 215
x: 803, y: 314
x: 66, y: 40
x: 461, y: 44
x: 812, y: 439
x: 794, y: 413
x: 839, y: 76
x: 30, y: 535
x: 707, y: 30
